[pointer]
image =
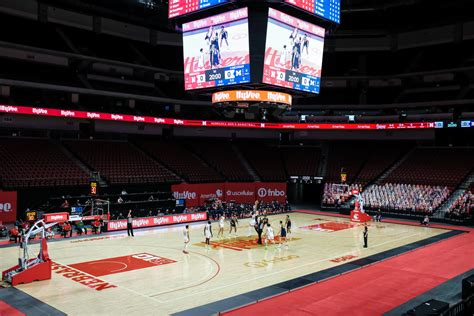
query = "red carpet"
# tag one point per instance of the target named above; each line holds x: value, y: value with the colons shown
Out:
x: 378, y: 288
x: 6, y: 309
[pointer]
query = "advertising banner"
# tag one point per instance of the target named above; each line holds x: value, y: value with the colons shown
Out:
x: 188, y: 192
x: 240, y: 192
x: 8, y: 201
x: 157, y: 221
x: 56, y: 217
x: 270, y: 191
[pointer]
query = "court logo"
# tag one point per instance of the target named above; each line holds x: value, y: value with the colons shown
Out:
x: 239, y: 243
x: 81, y: 277
x: 329, y: 226
x: 264, y: 263
x: 121, y: 264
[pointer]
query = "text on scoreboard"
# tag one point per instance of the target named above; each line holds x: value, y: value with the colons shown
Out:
x: 182, y: 7
x: 327, y: 9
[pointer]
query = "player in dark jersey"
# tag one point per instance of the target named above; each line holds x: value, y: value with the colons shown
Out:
x: 233, y: 225
x: 288, y: 224
x: 224, y: 36
x: 306, y: 43
x: 282, y: 234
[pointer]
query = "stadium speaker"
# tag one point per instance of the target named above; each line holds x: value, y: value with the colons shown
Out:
x: 429, y: 308
x: 75, y: 98
x: 468, y: 287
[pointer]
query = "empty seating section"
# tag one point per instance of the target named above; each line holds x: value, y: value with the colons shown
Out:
x: 37, y: 163
x: 120, y: 162
x: 379, y: 159
x: 351, y: 157
x: 221, y: 156
x: 265, y: 160
x: 434, y: 166
x: 181, y: 161
x: 301, y: 161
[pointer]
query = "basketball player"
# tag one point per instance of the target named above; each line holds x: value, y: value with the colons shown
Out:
x: 186, y: 239
x: 294, y: 34
x: 283, y: 57
x: 208, y: 233
x: 282, y: 234
x: 233, y: 225
x: 288, y: 224
x: 252, y: 224
x: 209, y: 35
x: 270, y: 237
x: 220, y: 233
x: 201, y: 58
x: 224, y: 35
x: 306, y: 43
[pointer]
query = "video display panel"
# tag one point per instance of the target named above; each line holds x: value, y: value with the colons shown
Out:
x: 327, y: 9
x: 293, y: 53
x: 216, y: 50
x: 182, y: 7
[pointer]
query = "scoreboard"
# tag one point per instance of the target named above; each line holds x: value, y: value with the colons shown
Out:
x: 327, y: 9
x: 182, y: 7
x: 216, y: 50
x: 294, y: 53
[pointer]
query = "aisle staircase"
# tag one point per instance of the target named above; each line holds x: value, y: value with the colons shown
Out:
x: 251, y: 171
x: 441, y: 211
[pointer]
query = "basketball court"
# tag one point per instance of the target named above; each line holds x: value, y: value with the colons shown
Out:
x: 116, y: 274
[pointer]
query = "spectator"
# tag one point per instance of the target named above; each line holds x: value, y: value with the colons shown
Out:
x: 67, y: 230
x: 425, y: 221
x: 81, y: 229
x: 96, y: 227
x: 15, y: 234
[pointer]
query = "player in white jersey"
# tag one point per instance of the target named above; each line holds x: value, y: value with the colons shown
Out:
x: 186, y: 239
x: 252, y: 223
x: 208, y: 233
x: 201, y: 59
x: 270, y: 237
x: 220, y: 233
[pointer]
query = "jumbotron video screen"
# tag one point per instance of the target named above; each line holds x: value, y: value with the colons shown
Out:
x: 216, y: 50
x: 293, y: 53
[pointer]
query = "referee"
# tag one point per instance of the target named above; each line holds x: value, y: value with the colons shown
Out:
x: 366, y: 235
x: 129, y: 223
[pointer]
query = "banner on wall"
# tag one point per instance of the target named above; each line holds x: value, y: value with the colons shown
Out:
x: 198, y: 194
x: 270, y: 191
x: 188, y: 192
x: 157, y: 221
x: 8, y: 200
x: 240, y: 192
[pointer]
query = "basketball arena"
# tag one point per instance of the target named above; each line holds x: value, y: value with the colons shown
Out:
x: 236, y: 157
